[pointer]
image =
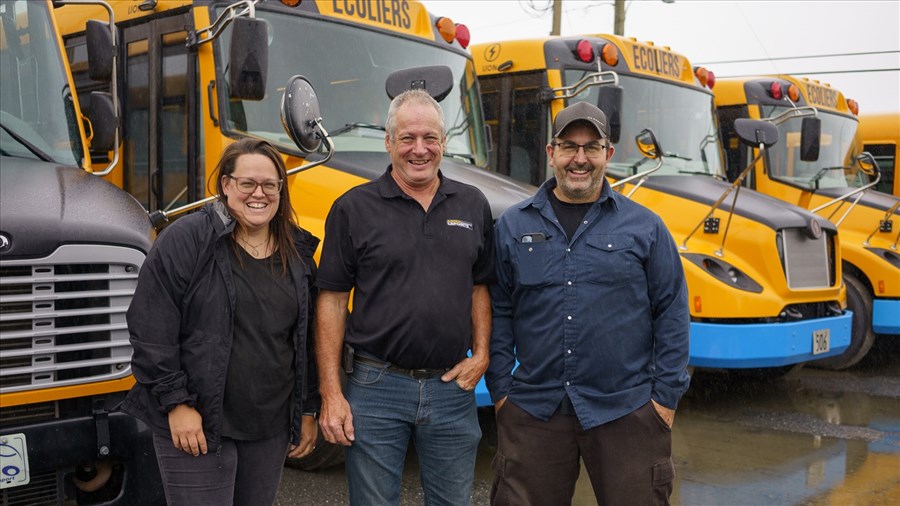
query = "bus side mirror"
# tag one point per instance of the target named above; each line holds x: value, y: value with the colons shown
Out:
x: 103, y: 122
x: 810, y: 138
x: 248, y: 59
x: 867, y: 164
x: 437, y: 80
x: 648, y: 145
x: 100, y: 50
x: 754, y: 132
x: 610, y: 102
x: 299, y: 113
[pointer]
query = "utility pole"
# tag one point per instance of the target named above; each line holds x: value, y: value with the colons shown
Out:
x: 557, y: 17
x: 619, y: 23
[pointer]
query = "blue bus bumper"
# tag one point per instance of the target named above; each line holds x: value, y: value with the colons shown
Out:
x: 482, y: 397
x: 765, y: 344
x: 733, y: 346
x: 886, y: 316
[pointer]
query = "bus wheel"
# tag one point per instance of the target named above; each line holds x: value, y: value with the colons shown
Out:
x: 861, y: 334
x: 324, y: 455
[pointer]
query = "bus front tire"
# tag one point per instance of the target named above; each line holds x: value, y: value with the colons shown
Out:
x: 859, y: 300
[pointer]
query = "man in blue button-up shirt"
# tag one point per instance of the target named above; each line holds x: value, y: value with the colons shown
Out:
x: 591, y: 300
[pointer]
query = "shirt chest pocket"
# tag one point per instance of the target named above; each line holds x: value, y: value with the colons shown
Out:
x: 533, y: 263
x: 612, y: 259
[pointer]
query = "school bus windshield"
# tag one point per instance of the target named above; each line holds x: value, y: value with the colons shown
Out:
x: 838, y: 149
x: 682, y: 119
x: 37, y: 113
x: 347, y: 66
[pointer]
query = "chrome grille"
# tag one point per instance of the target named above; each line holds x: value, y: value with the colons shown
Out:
x: 62, y: 318
x: 807, y: 262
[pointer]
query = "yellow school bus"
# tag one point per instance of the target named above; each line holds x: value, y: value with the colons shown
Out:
x: 817, y: 165
x: 763, y: 277
x: 182, y: 99
x: 880, y: 134
x: 71, y: 246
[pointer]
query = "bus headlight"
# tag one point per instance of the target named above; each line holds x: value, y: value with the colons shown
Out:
x: 724, y: 272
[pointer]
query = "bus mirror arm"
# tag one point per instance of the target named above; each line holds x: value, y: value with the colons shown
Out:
x: 212, y: 32
x: 797, y: 112
x: 649, y: 146
x: 810, y: 129
x: 868, y: 165
x: 160, y: 217
x: 593, y: 79
x: 329, y: 149
x: 884, y: 225
x: 302, y: 122
x: 736, y: 188
x: 102, y: 42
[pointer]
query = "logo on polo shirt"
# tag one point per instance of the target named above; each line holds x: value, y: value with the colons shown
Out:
x: 460, y: 223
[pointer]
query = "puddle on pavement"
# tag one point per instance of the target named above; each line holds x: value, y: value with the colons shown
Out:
x: 812, y: 438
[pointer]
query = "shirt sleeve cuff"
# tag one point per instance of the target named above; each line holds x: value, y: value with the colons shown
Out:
x: 666, y: 395
x: 168, y: 401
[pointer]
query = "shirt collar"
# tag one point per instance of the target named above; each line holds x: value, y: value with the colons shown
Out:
x: 388, y: 188
x: 542, y: 197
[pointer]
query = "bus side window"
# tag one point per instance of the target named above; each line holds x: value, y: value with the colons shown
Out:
x: 885, y: 155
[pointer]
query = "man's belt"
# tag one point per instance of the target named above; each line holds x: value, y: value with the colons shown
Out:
x: 412, y: 373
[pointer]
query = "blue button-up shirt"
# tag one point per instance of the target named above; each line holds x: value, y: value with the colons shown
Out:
x: 602, y: 317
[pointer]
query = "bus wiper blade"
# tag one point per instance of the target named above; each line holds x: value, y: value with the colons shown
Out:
x: 463, y: 156
x: 701, y: 173
x: 353, y: 126
x: 634, y: 167
x: 676, y: 155
x: 36, y: 151
x: 814, y: 181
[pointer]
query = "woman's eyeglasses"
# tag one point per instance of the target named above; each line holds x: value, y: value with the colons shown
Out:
x: 247, y: 185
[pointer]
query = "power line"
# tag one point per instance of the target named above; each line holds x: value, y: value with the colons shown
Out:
x: 869, y: 53
x: 860, y: 71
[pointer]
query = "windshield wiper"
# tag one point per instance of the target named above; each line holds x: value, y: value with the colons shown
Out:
x: 701, y: 173
x: 634, y: 167
x: 353, y: 126
x: 36, y: 151
x: 676, y: 155
x: 814, y: 181
x: 463, y: 156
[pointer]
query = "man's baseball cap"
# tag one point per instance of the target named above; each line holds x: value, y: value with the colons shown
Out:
x: 581, y: 111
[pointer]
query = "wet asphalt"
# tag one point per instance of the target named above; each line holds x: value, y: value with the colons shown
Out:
x: 811, y: 437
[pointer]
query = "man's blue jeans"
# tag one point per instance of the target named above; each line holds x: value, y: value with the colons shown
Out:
x: 387, y: 409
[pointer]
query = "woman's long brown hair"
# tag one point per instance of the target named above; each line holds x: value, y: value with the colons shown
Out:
x: 284, y: 222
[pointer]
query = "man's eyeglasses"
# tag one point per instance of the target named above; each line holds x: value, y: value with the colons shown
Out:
x: 247, y: 185
x: 569, y: 148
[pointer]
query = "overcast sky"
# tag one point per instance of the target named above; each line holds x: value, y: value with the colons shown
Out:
x: 707, y: 32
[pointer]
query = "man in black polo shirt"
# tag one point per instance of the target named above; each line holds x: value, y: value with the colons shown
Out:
x: 418, y: 250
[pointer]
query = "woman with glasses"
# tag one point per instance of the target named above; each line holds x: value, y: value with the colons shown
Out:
x: 221, y: 325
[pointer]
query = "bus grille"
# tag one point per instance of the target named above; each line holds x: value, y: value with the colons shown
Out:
x: 807, y: 262
x: 62, y: 318
x: 42, y: 489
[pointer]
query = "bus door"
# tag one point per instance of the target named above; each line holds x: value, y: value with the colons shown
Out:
x: 161, y: 162
x: 517, y: 117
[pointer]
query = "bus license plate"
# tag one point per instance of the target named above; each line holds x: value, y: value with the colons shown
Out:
x: 821, y: 341
x: 13, y: 461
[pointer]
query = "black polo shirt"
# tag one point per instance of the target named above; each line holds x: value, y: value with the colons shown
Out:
x: 412, y: 271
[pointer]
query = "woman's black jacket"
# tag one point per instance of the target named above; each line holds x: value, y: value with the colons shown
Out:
x: 181, y: 321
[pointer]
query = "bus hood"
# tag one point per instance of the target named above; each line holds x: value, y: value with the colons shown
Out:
x: 871, y: 198
x: 751, y: 204
x: 502, y: 192
x: 44, y: 205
